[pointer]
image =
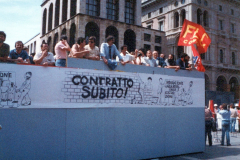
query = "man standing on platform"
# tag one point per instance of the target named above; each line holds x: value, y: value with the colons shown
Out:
x: 61, y: 49
x: 44, y: 57
x: 181, y: 62
x: 18, y: 55
x: 4, y: 48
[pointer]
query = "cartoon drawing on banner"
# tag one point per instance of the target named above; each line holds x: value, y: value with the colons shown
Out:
x: 10, y: 96
x: 129, y: 89
x: 160, y: 92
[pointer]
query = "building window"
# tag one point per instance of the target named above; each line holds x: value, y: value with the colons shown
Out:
x: 161, y: 26
x: 220, y: 8
x: 73, y: 8
x: 159, y: 49
x: 149, y: 26
x: 147, y: 37
x: 158, y: 39
x: 205, y: 18
x: 182, y: 1
x: 202, y: 56
x: 232, y: 28
x: 147, y: 47
x: 149, y: 15
x: 199, y: 15
x: 129, y: 11
x: 112, y: 9
x: 221, y: 56
x: 176, y: 19
x: 205, y: 3
x: 199, y: 1
x: 50, y: 17
x: 57, y: 10
x: 221, y: 24
x: 183, y: 16
x: 160, y: 10
x: 233, y: 58
x: 44, y: 21
x: 93, y: 7
x: 64, y: 8
x: 176, y: 4
x: 232, y: 12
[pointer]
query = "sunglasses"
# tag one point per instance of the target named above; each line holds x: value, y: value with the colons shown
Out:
x: 90, y: 42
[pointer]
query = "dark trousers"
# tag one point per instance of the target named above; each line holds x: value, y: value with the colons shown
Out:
x: 208, y: 127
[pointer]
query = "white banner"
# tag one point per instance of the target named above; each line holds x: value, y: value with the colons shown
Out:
x: 25, y: 86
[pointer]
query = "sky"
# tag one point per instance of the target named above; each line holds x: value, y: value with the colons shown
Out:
x: 20, y: 20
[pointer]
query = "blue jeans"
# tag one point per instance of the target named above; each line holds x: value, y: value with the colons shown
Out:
x: 225, y: 128
x: 208, y: 127
x: 232, y: 124
x: 60, y: 63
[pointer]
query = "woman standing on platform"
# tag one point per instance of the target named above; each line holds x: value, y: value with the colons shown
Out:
x: 225, y: 124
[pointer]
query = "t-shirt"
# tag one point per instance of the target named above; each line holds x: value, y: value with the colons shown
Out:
x: 14, y: 55
x: 60, y: 52
x: 4, y: 50
x: 48, y: 58
x: 92, y: 52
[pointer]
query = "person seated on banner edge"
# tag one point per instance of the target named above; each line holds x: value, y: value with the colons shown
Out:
x: 108, y: 53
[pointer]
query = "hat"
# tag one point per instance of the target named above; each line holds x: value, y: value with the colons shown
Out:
x: 215, y: 105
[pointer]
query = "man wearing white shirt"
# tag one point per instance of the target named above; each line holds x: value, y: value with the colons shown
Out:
x: 149, y: 61
x: 127, y: 58
x: 44, y: 57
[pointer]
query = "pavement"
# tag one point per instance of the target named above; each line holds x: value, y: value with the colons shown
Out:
x: 216, y: 151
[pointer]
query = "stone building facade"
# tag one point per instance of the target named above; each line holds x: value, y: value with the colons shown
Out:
x: 100, y: 18
x: 220, y: 18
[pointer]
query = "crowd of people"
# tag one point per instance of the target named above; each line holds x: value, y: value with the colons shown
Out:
x: 108, y: 53
x: 228, y: 115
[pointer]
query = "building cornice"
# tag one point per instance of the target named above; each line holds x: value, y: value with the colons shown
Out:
x: 44, y: 2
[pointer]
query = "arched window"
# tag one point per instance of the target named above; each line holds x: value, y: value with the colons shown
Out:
x: 183, y: 16
x: 93, y: 7
x: 111, y: 30
x: 199, y: 15
x: 44, y: 21
x: 129, y: 11
x: 49, y: 41
x: 112, y: 9
x: 176, y: 19
x: 64, y: 31
x: 234, y: 87
x: 221, y: 56
x: 55, y: 42
x: 92, y: 29
x: 72, y: 34
x: 73, y: 8
x: 130, y: 40
x: 64, y: 10
x: 50, y: 17
x: 34, y: 46
x: 221, y: 84
x: 233, y: 58
x: 205, y: 18
x: 57, y: 10
x: 207, y: 82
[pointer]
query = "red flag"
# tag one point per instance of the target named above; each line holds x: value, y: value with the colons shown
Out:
x: 211, y: 105
x: 197, y: 60
x: 193, y: 33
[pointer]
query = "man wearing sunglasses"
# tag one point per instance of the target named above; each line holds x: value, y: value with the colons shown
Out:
x: 94, y: 53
